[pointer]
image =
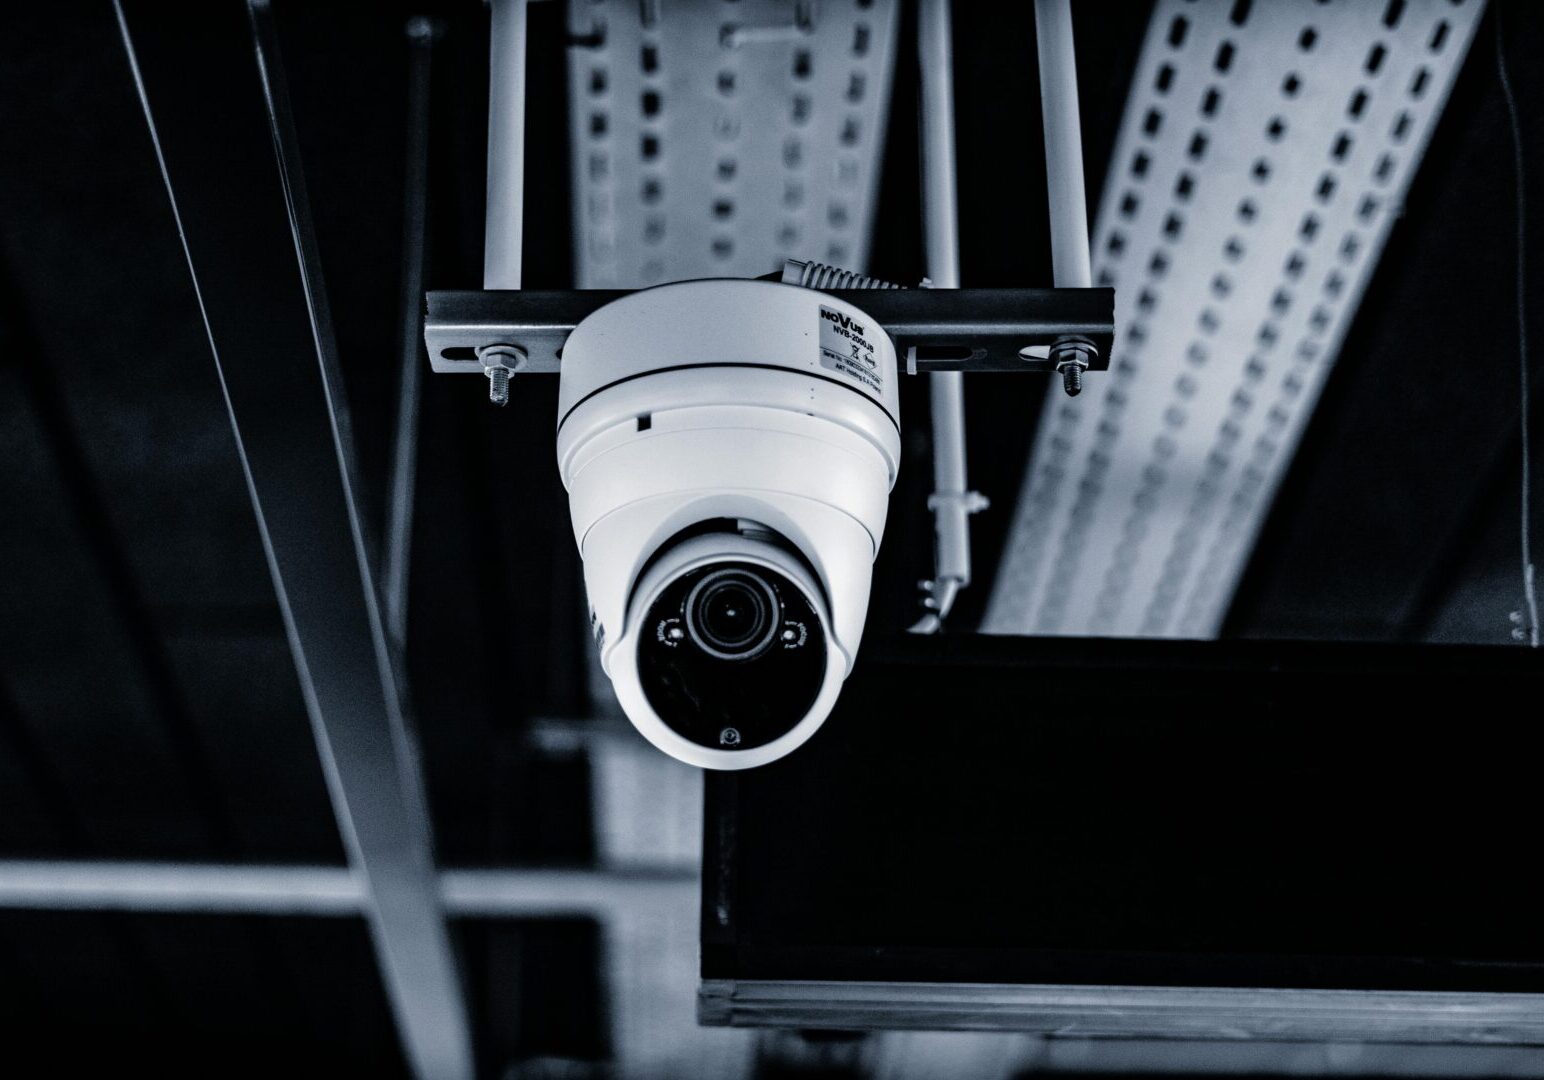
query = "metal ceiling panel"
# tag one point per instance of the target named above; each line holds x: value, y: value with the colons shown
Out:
x: 716, y: 139
x: 1264, y: 155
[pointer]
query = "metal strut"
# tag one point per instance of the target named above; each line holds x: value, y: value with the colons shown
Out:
x: 1001, y: 330
x: 213, y: 91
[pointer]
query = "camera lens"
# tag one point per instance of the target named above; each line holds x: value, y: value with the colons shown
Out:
x: 732, y: 655
x: 733, y: 614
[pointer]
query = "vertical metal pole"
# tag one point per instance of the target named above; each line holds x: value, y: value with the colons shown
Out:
x: 506, y: 146
x: 421, y: 36
x: 950, y: 502
x: 1063, y: 144
x: 219, y: 118
x: 940, y: 195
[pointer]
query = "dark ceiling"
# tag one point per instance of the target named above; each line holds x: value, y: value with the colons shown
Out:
x: 148, y: 706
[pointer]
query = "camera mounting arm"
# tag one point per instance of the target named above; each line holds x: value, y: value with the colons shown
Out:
x: 970, y: 330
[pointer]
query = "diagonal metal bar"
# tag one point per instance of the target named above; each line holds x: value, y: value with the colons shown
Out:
x: 422, y: 33
x: 215, y: 100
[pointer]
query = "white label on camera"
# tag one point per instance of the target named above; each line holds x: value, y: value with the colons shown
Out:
x: 847, y: 346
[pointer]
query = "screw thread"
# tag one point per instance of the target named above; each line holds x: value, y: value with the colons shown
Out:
x: 498, y: 385
x: 1072, y: 357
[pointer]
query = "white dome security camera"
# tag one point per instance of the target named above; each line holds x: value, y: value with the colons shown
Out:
x: 728, y: 447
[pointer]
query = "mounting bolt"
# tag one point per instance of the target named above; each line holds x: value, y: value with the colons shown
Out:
x: 498, y: 384
x: 1072, y: 357
x: 499, y: 363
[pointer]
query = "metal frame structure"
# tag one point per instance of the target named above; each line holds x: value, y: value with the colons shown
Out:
x: 504, y: 227
x: 1175, y: 1012
x: 248, y: 209
x: 999, y: 330
x: 328, y: 891
x: 397, y: 557
x: 984, y: 953
x: 276, y: 344
x: 952, y: 502
x: 246, y: 230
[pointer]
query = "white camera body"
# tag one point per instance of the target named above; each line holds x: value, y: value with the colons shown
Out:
x: 728, y: 447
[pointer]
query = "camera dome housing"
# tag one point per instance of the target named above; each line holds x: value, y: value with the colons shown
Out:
x: 728, y: 425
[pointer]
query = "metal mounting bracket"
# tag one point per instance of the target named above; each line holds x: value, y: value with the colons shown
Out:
x: 974, y: 330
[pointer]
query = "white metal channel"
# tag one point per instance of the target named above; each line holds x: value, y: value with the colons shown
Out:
x: 720, y: 137
x: 1265, y: 151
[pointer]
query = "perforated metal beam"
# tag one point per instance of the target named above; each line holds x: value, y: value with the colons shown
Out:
x: 1264, y: 154
x: 717, y: 140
